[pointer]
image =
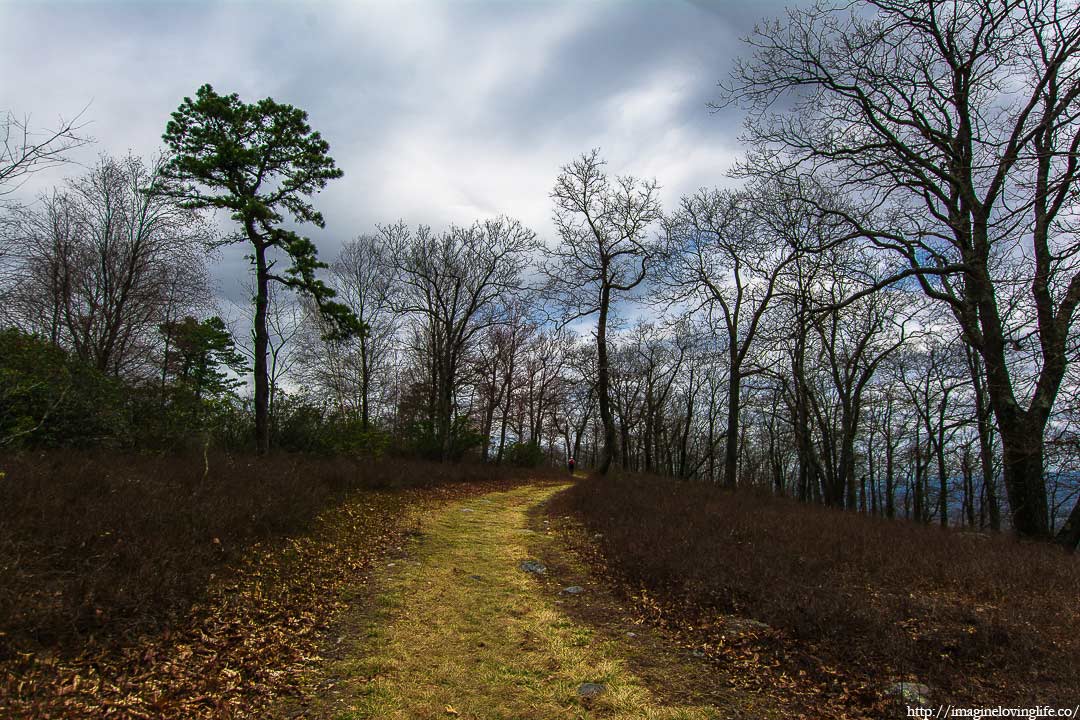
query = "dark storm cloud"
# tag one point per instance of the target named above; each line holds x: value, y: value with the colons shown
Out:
x: 438, y: 112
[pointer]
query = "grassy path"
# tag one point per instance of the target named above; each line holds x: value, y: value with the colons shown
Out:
x: 460, y: 630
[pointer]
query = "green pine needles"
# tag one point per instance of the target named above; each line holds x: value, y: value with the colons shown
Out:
x: 261, y: 162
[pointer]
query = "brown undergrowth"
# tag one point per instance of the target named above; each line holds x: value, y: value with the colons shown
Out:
x: 848, y: 604
x: 650, y: 649
x: 136, y: 587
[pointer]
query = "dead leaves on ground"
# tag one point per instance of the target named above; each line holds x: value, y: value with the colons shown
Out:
x: 233, y: 653
x: 756, y: 659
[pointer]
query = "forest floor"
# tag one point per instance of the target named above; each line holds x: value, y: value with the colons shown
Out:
x: 133, y: 587
x: 452, y: 626
x: 385, y: 597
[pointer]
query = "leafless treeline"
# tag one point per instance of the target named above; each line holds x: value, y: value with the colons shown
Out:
x: 96, y: 266
x: 757, y: 367
x: 879, y: 317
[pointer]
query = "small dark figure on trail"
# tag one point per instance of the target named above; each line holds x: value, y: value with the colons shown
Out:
x: 570, y: 464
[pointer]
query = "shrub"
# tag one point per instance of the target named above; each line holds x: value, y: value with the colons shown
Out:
x: 880, y: 597
x: 50, y: 399
x: 111, y: 543
x: 422, y: 441
x: 528, y: 454
x: 303, y: 425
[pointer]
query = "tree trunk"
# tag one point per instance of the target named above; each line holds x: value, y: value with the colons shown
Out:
x: 508, y: 387
x: 594, y: 447
x: 848, y: 428
x: 969, y: 487
x: 986, y: 450
x: 917, y: 500
x: 871, y: 470
x: 262, y: 341
x: 684, y: 469
x: 365, y: 382
x: 890, y: 468
x: 1069, y: 534
x: 731, y: 441
x: 986, y: 453
x: 446, y: 413
x: 647, y: 435
x: 1022, y: 431
x: 579, y: 433
x: 602, y: 383
x: 939, y: 448
x: 624, y: 446
x: 1022, y: 455
x: 493, y: 399
x: 712, y: 433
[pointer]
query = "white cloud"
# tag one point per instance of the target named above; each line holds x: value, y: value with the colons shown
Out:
x: 437, y: 111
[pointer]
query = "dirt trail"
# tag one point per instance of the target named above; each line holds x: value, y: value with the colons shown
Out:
x: 460, y: 630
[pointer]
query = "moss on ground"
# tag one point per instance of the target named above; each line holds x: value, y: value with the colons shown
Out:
x: 458, y: 630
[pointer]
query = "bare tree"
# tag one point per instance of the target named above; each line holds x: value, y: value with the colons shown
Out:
x: 604, y: 252
x: 661, y: 352
x: 854, y: 341
x: 24, y: 150
x: 103, y: 263
x: 722, y: 256
x: 351, y: 369
x: 577, y: 398
x: 627, y: 399
x: 956, y: 123
x: 454, y: 282
x: 497, y: 369
x: 545, y: 358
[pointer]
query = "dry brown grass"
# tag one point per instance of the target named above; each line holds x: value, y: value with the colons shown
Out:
x: 121, y: 601
x: 981, y: 619
x: 116, y: 544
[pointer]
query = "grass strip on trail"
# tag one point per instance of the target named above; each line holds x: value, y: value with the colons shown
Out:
x: 459, y: 630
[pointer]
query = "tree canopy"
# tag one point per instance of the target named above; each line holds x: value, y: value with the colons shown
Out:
x: 261, y: 162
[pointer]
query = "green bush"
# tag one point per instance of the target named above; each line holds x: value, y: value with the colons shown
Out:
x: 48, y: 398
x: 422, y: 440
x: 302, y: 425
x: 348, y: 436
x: 527, y: 454
x: 298, y: 425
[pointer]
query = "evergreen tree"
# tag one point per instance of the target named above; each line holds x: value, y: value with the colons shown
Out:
x: 198, y: 355
x: 261, y: 162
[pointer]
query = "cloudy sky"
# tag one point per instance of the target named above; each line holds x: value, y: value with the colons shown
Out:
x: 438, y: 112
